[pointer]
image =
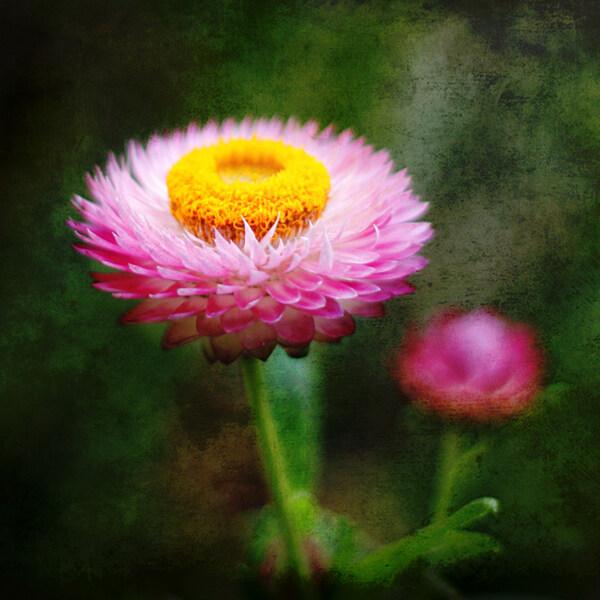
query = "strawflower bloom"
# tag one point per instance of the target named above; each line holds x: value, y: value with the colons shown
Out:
x: 473, y: 366
x: 252, y: 234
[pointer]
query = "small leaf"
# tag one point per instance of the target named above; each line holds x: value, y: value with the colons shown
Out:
x: 390, y: 560
x: 470, y: 513
x: 456, y: 546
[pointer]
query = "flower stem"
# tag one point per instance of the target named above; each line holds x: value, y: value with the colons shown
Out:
x: 274, y: 466
x: 448, y: 457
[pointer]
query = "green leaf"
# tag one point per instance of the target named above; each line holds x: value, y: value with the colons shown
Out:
x: 387, y: 562
x: 295, y: 400
x: 390, y: 560
x: 456, y: 546
x: 343, y: 542
x: 470, y: 513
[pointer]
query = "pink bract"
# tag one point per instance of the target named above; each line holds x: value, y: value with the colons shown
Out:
x: 248, y: 296
x: 476, y: 366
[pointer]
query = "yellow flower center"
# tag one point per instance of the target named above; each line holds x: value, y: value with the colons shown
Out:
x: 264, y: 182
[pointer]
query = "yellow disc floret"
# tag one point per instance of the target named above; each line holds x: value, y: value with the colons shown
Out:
x: 260, y: 181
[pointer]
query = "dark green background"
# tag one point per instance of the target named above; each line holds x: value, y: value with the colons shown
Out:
x: 122, y: 466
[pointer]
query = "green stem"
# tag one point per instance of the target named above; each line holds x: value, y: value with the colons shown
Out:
x: 448, y: 458
x: 274, y: 465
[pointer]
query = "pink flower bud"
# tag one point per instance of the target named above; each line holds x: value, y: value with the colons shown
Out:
x: 477, y: 366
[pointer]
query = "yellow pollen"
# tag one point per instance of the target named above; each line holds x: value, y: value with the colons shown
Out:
x: 219, y: 186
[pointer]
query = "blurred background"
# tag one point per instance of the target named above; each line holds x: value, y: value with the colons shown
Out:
x: 124, y: 468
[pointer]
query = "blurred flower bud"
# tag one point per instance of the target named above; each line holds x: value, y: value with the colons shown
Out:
x: 477, y: 366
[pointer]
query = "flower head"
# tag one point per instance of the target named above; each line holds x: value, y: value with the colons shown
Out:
x: 477, y: 366
x: 253, y: 234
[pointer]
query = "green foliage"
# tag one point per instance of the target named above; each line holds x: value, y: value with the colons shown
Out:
x: 443, y: 542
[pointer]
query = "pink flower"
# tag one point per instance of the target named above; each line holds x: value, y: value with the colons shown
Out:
x: 253, y: 234
x: 477, y: 366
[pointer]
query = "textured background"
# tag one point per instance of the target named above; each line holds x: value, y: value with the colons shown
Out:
x: 122, y: 465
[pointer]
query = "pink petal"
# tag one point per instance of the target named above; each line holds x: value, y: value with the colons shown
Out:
x: 229, y: 288
x: 134, y: 285
x: 226, y: 347
x: 394, y: 287
x: 236, y: 319
x: 110, y: 259
x: 217, y: 305
x: 169, y: 292
x: 151, y: 311
x: 257, y: 277
x: 294, y: 351
x: 252, y: 247
x: 256, y: 335
x: 175, y: 275
x: 311, y: 301
x: 147, y: 271
x: 356, y: 256
x: 376, y: 296
x: 304, y: 280
x: 248, y: 297
x: 294, y: 326
x: 364, y: 309
x: 337, y: 289
x: 268, y: 309
x: 180, y: 332
x: 335, y: 328
x: 191, y: 306
x: 209, y: 326
x: 331, y: 310
x: 398, y: 286
x: 364, y: 287
x: 283, y: 292
x: 114, y: 276
x: 321, y: 337
x: 263, y: 352
x: 326, y: 254
x: 197, y: 290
